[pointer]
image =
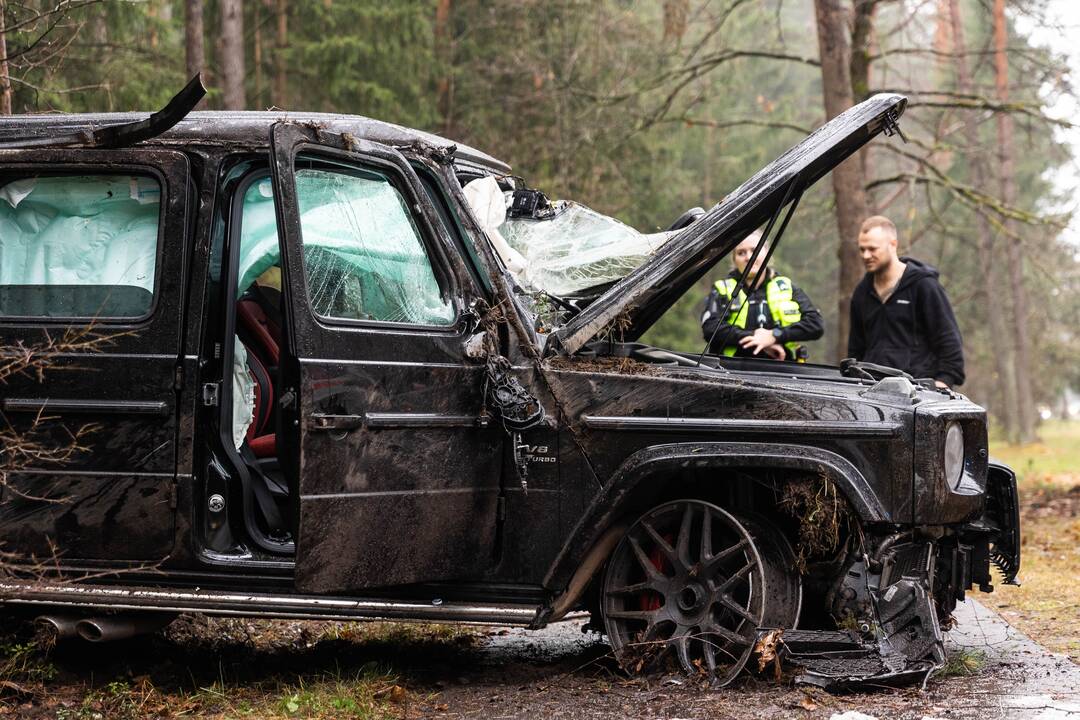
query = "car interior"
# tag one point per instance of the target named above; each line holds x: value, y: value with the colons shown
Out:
x: 258, y: 330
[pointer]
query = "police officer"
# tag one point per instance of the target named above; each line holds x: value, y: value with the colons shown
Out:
x: 774, y: 319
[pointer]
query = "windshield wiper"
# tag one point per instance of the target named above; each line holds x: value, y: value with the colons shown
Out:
x: 123, y: 134
x: 741, y: 283
x: 852, y: 368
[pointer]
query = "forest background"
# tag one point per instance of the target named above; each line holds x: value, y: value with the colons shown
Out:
x: 644, y: 109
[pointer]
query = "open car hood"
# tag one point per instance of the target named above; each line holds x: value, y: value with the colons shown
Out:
x: 634, y: 303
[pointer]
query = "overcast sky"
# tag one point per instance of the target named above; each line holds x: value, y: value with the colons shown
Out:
x: 1061, y: 31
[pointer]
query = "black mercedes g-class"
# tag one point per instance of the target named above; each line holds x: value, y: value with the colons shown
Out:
x: 337, y: 368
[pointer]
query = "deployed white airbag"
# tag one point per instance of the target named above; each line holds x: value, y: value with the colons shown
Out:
x: 489, y: 206
x: 243, y: 395
x: 76, y: 231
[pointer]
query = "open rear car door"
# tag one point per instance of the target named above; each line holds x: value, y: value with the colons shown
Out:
x: 397, y: 482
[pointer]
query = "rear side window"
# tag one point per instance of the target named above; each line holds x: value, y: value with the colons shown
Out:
x: 78, y: 246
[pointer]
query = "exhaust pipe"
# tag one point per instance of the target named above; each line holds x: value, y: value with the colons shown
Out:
x: 59, y: 627
x: 120, y: 627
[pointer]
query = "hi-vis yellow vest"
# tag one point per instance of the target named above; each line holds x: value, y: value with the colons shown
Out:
x: 782, y: 306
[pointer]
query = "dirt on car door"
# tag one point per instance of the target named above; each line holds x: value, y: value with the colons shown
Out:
x: 399, y: 477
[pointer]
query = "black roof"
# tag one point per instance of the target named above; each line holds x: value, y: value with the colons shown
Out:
x: 243, y: 127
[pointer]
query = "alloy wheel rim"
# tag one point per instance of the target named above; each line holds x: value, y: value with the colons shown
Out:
x: 686, y: 581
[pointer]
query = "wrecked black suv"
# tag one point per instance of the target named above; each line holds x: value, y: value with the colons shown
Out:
x: 331, y: 378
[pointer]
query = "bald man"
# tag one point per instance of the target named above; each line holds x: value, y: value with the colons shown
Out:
x: 900, y: 314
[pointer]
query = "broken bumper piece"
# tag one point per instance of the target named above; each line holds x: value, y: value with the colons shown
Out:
x: 901, y: 641
x: 839, y: 660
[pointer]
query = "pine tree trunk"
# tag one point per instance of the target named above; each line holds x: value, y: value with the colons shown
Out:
x: 5, y: 68
x: 193, y: 36
x: 848, y: 178
x: 281, y: 87
x: 1007, y: 170
x: 862, y: 34
x: 257, y: 59
x: 676, y: 13
x: 1007, y: 409
x: 444, y: 86
x: 232, y: 54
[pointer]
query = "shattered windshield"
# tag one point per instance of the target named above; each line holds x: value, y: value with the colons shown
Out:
x: 562, y: 248
x: 578, y: 248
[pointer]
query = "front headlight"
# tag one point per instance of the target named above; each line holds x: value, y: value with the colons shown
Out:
x: 954, y: 455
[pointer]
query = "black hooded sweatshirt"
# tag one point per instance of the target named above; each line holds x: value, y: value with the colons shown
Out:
x: 914, y: 330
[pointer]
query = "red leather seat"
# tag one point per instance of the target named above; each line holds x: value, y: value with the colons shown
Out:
x: 262, y: 339
x: 264, y: 446
x: 263, y: 331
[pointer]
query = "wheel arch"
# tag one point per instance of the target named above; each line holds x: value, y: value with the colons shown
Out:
x: 594, y: 536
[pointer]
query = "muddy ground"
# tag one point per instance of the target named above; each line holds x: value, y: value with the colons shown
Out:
x: 203, y: 667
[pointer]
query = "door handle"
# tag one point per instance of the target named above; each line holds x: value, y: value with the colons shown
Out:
x: 336, y: 423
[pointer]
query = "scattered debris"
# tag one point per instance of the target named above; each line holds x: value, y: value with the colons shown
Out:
x: 965, y: 662
x: 821, y: 511
x: 766, y: 649
x: 897, y: 640
x: 618, y: 365
x: 394, y: 693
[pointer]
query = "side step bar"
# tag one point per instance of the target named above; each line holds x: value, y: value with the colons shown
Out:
x: 298, y: 607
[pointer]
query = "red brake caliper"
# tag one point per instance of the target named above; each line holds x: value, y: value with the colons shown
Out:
x: 649, y: 600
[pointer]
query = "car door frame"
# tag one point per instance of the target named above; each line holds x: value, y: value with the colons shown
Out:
x: 447, y: 530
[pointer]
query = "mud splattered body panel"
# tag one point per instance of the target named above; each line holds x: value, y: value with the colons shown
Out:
x: 114, y: 498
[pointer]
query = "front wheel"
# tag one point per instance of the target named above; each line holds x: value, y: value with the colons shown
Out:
x: 691, y: 581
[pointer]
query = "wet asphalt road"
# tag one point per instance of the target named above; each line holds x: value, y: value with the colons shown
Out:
x: 1038, y: 684
x: 560, y: 672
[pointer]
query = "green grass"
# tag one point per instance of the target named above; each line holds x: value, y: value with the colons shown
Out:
x: 24, y: 662
x: 338, y: 686
x: 1047, y: 605
x: 365, y: 695
x: 1056, y: 454
x: 964, y: 663
x: 401, y: 634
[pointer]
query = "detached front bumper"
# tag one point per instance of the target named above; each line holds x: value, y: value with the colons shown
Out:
x: 1003, y: 512
x: 992, y: 539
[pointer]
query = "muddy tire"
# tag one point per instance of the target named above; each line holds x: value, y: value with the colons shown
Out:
x: 688, y: 586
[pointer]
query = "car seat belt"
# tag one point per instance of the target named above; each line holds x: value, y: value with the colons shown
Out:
x: 259, y: 489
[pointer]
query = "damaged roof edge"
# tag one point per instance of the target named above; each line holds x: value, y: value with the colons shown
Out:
x: 123, y: 134
x: 242, y: 126
x: 640, y: 298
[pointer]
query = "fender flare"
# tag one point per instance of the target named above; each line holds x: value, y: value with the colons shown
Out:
x: 608, y: 505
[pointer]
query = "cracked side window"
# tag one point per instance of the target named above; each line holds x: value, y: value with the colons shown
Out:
x: 363, y: 255
x: 78, y: 246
